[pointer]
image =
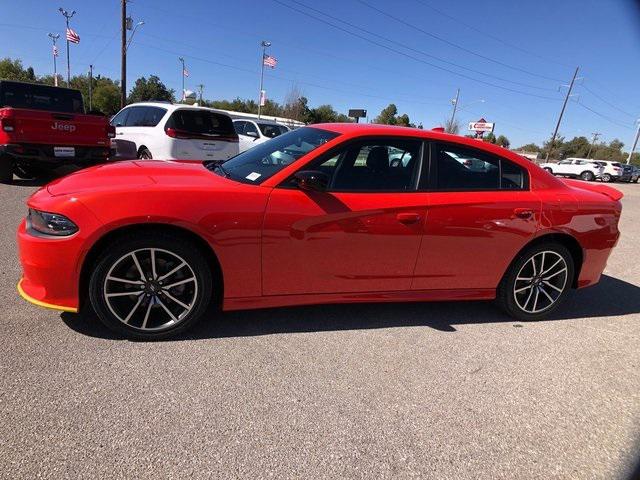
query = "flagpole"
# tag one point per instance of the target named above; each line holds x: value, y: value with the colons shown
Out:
x: 54, y: 37
x: 67, y: 16
x: 264, y: 44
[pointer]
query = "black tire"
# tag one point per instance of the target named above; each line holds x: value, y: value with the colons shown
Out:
x: 606, y: 177
x: 6, y: 170
x: 548, y: 170
x: 587, y: 176
x: 155, y: 315
x: 27, y: 173
x: 144, y: 154
x: 636, y: 180
x: 510, y: 301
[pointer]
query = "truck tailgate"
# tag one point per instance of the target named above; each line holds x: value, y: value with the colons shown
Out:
x: 51, y: 128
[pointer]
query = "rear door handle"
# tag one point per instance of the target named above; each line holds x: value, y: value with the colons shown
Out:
x: 408, y: 218
x: 523, y: 212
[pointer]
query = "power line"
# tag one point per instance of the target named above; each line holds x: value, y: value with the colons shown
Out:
x: 411, y: 56
x: 420, y: 52
x: 455, y: 45
x: 605, y: 117
x: 489, y: 35
x: 607, y: 102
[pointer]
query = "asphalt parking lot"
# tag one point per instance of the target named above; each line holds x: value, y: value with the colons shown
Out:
x: 446, y: 391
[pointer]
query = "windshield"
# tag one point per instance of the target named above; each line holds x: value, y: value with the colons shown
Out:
x: 265, y: 160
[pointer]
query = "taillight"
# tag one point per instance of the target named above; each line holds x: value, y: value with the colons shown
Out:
x: 111, y: 131
x: 171, y: 132
x: 8, y: 124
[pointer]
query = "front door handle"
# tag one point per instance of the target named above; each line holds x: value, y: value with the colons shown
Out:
x: 523, y: 213
x: 408, y: 218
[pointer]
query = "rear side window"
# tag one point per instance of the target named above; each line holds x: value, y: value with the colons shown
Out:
x: 457, y: 168
x: 270, y: 130
x: 40, y: 97
x: 201, y: 122
x: 153, y: 115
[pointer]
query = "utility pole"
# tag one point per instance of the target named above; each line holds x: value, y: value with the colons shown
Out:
x: 201, y: 88
x: 455, y: 107
x: 123, y: 56
x: 593, y: 142
x: 264, y: 44
x: 564, y: 106
x: 184, y: 96
x: 54, y: 51
x: 67, y: 16
x: 635, y: 142
x: 90, y: 86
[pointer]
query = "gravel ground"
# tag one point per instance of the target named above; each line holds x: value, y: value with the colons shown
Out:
x: 446, y: 391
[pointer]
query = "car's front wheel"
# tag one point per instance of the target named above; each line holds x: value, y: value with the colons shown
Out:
x: 536, y: 282
x: 587, y: 176
x: 151, y: 286
x: 606, y: 178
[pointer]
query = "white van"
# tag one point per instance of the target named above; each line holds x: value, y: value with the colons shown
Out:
x: 255, y: 132
x: 173, y: 132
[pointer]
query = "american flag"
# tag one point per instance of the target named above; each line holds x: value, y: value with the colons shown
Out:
x: 72, y: 36
x: 185, y: 72
x: 55, y: 51
x: 269, y: 61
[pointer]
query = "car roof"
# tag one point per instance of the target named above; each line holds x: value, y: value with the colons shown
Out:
x: 173, y: 106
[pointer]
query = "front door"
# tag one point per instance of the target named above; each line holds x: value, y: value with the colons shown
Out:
x: 360, y: 235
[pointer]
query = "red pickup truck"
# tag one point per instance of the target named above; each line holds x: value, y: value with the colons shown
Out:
x: 44, y: 127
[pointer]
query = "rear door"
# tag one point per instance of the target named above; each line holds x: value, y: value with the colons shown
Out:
x: 477, y: 219
x: 200, y: 134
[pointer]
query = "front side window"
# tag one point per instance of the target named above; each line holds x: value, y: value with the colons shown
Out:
x: 250, y: 129
x: 135, y: 117
x: 388, y: 165
x: 457, y: 168
x: 239, y: 126
x: 266, y: 159
x: 121, y: 118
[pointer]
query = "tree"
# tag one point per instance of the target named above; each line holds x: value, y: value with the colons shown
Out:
x: 152, y: 89
x: 491, y: 138
x: 323, y: 114
x: 503, y: 141
x: 13, y: 70
x: 294, y: 107
x: 529, y: 147
x: 106, y: 97
x: 387, y: 115
x: 452, y: 127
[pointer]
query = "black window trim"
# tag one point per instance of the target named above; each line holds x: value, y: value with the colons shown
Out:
x: 288, y: 182
x: 432, y: 171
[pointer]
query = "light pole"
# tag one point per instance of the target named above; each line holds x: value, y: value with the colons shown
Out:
x: 454, y: 102
x: 593, y: 142
x: 564, y: 106
x: 264, y: 44
x: 139, y: 24
x: 67, y: 16
x: 54, y: 50
x: 635, y: 142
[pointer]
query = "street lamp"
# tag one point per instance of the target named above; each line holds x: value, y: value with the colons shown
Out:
x: 139, y: 24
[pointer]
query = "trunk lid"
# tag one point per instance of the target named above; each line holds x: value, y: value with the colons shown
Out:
x: 605, y: 190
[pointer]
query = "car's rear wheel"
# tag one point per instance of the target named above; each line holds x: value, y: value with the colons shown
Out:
x: 6, y: 170
x: 151, y: 286
x: 145, y: 154
x: 536, y: 282
x: 587, y: 176
x: 606, y: 178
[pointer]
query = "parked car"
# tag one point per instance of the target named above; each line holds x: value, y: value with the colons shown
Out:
x: 635, y: 173
x: 582, y: 168
x: 301, y: 219
x: 255, y: 132
x: 627, y: 174
x: 612, y: 171
x: 44, y: 127
x: 173, y: 131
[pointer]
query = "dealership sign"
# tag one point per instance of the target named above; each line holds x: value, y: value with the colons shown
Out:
x: 481, y: 126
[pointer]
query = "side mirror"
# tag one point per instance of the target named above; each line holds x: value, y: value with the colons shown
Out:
x: 312, y: 180
x: 252, y: 134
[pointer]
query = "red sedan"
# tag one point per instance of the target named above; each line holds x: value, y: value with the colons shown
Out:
x: 324, y: 214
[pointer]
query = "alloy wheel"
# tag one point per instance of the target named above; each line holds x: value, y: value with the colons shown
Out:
x: 150, y: 289
x: 540, y: 282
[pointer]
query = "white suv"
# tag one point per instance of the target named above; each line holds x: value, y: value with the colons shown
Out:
x: 168, y: 132
x: 612, y: 171
x: 255, y: 132
x: 582, y: 168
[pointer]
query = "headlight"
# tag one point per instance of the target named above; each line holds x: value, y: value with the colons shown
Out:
x: 51, y: 223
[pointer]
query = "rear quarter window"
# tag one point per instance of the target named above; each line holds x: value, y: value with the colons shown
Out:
x: 201, y: 122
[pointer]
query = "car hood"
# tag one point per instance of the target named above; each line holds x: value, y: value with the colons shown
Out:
x: 131, y: 175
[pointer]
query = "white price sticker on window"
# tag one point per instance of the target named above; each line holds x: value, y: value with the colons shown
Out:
x: 253, y: 176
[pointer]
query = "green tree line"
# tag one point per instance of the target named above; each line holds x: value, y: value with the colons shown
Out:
x: 581, y: 147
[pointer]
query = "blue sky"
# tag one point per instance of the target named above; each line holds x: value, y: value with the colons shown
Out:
x: 529, y: 47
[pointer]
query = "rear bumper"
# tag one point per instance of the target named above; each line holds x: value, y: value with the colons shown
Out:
x: 40, y: 155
